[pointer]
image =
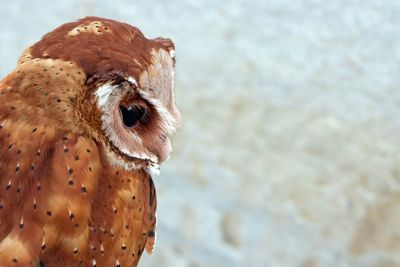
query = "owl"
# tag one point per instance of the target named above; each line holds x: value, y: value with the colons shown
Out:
x: 85, y: 122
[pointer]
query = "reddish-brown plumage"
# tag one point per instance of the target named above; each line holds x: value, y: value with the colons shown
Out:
x: 119, y: 44
x: 72, y: 193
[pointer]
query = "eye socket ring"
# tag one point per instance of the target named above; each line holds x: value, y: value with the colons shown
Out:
x: 131, y: 115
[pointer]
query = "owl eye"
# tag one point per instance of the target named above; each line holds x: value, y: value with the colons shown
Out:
x: 131, y: 115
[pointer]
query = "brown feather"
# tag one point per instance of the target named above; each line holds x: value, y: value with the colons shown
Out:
x: 64, y: 198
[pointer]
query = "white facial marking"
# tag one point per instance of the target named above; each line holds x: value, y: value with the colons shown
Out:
x: 132, y: 81
x: 137, y: 155
x: 168, y: 121
x: 103, y: 92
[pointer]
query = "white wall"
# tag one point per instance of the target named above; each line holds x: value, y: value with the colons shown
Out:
x: 289, y: 152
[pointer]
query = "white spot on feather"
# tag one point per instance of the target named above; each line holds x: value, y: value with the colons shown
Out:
x: 153, y: 169
x: 93, y: 27
x: 172, y: 53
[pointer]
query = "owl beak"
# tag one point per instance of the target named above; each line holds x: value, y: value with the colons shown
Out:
x: 163, y: 150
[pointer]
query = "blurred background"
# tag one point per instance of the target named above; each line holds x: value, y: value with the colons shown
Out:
x: 289, y: 150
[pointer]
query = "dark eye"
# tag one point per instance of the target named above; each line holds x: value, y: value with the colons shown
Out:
x: 131, y: 115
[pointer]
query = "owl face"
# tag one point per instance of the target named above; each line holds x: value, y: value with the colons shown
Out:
x: 126, y: 99
x: 137, y: 121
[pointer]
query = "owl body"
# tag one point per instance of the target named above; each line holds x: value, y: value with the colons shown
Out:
x: 85, y: 118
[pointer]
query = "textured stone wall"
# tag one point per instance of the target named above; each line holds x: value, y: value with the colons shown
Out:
x: 289, y: 151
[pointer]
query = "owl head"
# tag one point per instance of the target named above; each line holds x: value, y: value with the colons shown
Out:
x: 123, y: 96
